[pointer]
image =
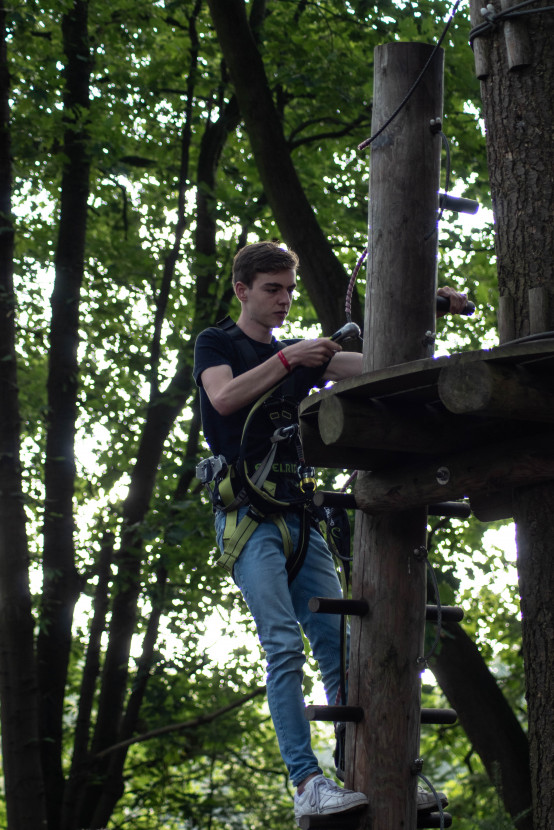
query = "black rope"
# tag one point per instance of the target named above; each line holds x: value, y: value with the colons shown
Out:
x: 447, y: 170
x: 436, y: 797
x: 415, y: 84
x: 541, y: 335
x: 350, y: 289
x: 424, y: 661
x: 492, y: 17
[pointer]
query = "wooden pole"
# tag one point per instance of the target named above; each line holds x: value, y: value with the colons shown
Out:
x: 389, y: 572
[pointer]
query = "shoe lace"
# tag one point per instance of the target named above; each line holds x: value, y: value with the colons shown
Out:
x: 315, y: 792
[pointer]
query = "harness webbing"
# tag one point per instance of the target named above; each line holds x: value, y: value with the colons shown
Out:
x: 238, y: 488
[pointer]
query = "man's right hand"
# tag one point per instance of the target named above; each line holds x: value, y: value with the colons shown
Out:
x: 311, y: 352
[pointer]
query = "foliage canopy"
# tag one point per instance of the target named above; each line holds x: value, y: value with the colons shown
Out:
x: 134, y: 184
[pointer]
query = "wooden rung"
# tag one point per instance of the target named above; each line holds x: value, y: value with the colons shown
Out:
x: 336, y: 821
x: 457, y: 204
x: 347, y: 714
x: 433, y: 820
x: 329, y: 498
x: 329, y: 605
x: 442, y: 716
x: 450, y: 509
x: 351, y: 820
x: 354, y: 714
x: 450, y: 613
x: 359, y: 608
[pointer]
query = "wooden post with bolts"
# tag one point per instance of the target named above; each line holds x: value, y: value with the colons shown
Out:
x: 389, y: 566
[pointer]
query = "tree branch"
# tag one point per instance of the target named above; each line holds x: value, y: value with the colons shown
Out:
x: 201, y: 720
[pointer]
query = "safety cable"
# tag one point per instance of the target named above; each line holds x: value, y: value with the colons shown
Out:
x: 541, y: 335
x: 446, y: 146
x: 423, y: 661
x: 350, y: 289
x: 436, y: 797
x: 493, y: 17
x: 436, y: 128
x: 416, y: 83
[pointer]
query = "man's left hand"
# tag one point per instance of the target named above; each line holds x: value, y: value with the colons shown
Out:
x: 458, y: 301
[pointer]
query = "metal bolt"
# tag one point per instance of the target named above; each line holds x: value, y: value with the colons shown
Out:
x: 443, y: 475
x: 420, y: 552
x: 436, y: 125
x: 416, y: 766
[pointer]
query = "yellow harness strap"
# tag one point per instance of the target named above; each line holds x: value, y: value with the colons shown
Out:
x: 236, y: 535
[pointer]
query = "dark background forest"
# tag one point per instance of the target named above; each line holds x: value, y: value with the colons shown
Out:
x: 141, y: 145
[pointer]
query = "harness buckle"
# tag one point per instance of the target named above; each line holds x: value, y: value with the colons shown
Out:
x: 307, y: 478
x: 208, y: 469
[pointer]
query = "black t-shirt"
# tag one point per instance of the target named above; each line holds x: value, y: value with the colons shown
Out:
x: 215, y: 347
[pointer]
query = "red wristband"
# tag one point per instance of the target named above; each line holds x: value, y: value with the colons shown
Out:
x: 284, y: 361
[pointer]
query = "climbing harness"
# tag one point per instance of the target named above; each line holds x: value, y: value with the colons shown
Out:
x: 231, y: 487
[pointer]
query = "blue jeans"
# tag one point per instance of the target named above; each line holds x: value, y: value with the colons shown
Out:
x: 279, y: 611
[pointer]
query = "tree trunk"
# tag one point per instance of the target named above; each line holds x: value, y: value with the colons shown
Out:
x: 534, y: 516
x: 293, y: 213
x: 487, y: 719
x: 112, y: 725
x: 23, y: 781
x: 517, y: 72
x: 60, y: 578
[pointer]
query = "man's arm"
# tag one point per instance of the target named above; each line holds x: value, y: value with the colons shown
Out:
x: 457, y: 301
x: 228, y: 394
x: 348, y: 364
x: 344, y: 365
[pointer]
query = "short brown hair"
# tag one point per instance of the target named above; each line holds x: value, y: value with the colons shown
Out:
x: 262, y: 258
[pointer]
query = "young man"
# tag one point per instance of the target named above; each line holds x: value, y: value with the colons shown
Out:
x: 233, y: 372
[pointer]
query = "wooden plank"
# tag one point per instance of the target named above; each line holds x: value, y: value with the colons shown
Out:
x: 481, y: 45
x: 336, y: 457
x: 490, y: 507
x: 419, y: 378
x: 538, y: 309
x: 516, y: 37
x: 476, y: 471
x: 373, y: 424
x: 413, y: 388
x: 495, y: 390
x: 506, y: 318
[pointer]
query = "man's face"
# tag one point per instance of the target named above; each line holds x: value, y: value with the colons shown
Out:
x: 268, y: 300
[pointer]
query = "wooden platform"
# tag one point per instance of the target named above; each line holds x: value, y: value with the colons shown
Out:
x: 472, y: 424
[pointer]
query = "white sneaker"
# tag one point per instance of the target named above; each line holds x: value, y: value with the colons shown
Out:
x: 426, y: 802
x: 322, y: 797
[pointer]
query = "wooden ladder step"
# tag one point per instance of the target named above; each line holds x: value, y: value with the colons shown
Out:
x: 346, y: 714
x: 337, y: 821
x: 351, y: 820
x: 442, y: 716
x: 331, y: 605
x: 359, y: 608
x: 354, y: 714
x: 449, y: 613
x: 433, y: 820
